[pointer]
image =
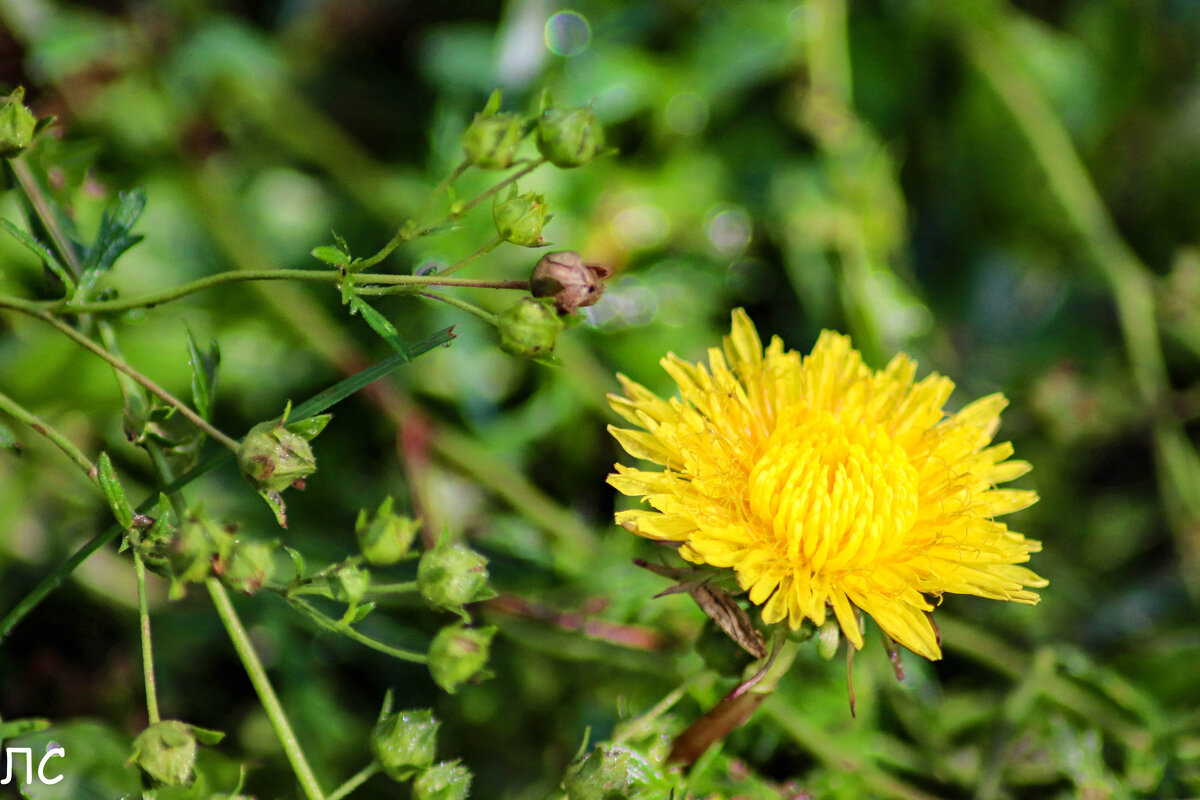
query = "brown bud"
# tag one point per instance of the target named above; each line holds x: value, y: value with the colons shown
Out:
x: 572, y: 283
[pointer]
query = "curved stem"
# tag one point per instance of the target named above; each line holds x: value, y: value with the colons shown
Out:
x: 21, y: 414
x: 408, y: 230
x: 483, y: 251
x: 393, y: 284
x: 342, y: 629
x: 354, y: 782
x: 147, y: 383
x: 262, y: 686
x: 461, y: 305
x: 516, y: 176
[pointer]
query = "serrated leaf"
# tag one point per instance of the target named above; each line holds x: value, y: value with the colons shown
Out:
x: 722, y: 609
x: 379, y: 323
x: 113, y: 492
x: 41, y: 251
x: 204, y: 374
x: 8, y: 439
x: 115, y: 235
x: 330, y: 255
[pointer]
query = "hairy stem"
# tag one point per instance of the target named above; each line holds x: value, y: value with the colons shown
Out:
x: 358, y: 779
x: 21, y: 414
x: 461, y: 305
x: 147, y: 650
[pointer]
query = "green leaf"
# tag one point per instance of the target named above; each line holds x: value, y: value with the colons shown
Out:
x: 331, y: 255
x: 310, y: 427
x: 8, y: 439
x: 117, y: 500
x: 278, y: 506
x: 22, y: 727
x: 94, y: 765
x: 358, y: 613
x: 379, y: 323
x: 114, y: 236
x: 41, y: 251
x: 204, y: 374
x: 206, y: 735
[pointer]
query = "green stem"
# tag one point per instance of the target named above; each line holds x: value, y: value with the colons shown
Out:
x: 483, y: 251
x: 341, y: 629
x: 45, y: 212
x: 461, y: 305
x: 147, y: 650
x: 516, y: 176
x: 375, y: 282
x: 147, y: 383
x: 354, y: 782
x: 408, y: 230
x: 393, y: 588
x: 262, y: 686
x: 19, y: 412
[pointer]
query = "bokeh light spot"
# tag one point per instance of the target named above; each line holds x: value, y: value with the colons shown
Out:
x: 568, y: 33
x: 729, y: 229
x: 687, y: 113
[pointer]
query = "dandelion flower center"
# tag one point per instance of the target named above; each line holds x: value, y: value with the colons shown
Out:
x: 827, y: 486
x: 835, y: 496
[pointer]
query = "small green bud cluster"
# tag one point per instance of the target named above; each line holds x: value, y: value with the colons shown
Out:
x: 568, y: 137
x: 529, y: 327
x: 613, y: 771
x: 492, y: 138
x: 405, y: 745
x: 452, y: 575
x: 17, y: 124
x: 385, y: 537
x: 458, y: 655
x: 520, y: 218
x: 276, y: 455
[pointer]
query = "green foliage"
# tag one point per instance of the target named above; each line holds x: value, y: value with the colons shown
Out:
x: 1005, y: 191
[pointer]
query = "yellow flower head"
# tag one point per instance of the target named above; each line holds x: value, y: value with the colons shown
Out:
x: 823, y: 483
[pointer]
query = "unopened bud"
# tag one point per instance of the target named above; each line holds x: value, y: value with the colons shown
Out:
x: 609, y: 771
x: 448, y: 780
x: 450, y: 575
x: 529, y: 328
x: 491, y: 140
x: 385, y: 538
x: 17, y: 124
x: 520, y: 219
x: 458, y: 654
x: 273, y: 458
x: 828, y: 637
x: 404, y: 743
x: 571, y: 283
x: 569, y: 137
x: 247, y: 567
x: 349, y: 584
x: 166, y: 752
x: 195, y: 547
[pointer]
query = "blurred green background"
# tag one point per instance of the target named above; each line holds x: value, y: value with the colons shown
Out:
x: 1007, y: 191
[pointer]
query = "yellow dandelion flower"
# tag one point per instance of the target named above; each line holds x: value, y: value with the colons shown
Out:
x: 824, y: 484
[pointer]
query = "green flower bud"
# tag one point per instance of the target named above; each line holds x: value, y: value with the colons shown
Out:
x: 609, y: 772
x: 166, y: 751
x: 520, y: 218
x: 571, y: 283
x: 720, y: 653
x: 197, y: 545
x: 349, y: 584
x: 385, y: 537
x: 530, y: 327
x: 448, y: 780
x: 404, y: 743
x: 491, y: 140
x: 17, y: 124
x: 569, y: 137
x: 247, y: 567
x: 458, y: 654
x: 450, y: 575
x: 828, y: 637
x: 273, y: 458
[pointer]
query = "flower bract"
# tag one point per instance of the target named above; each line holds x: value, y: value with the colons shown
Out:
x: 826, y: 485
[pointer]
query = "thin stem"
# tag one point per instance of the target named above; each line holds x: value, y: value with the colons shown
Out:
x: 342, y: 629
x: 354, y: 782
x: 147, y: 383
x: 393, y: 588
x: 147, y: 650
x: 516, y: 176
x: 21, y: 414
x: 408, y: 230
x: 461, y: 305
x: 262, y: 686
x: 62, y: 243
x: 483, y: 251
x: 395, y: 284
